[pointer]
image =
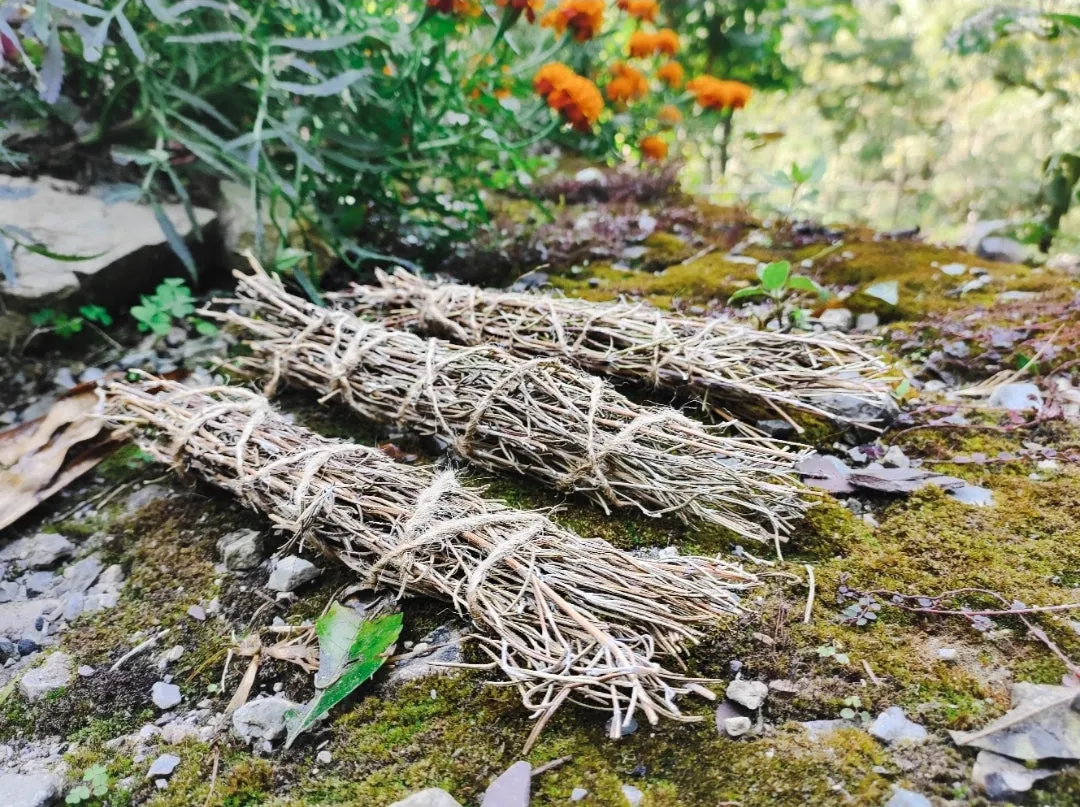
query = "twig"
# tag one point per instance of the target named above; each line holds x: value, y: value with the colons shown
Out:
x: 139, y: 648
x: 548, y: 766
x: 810, y: 595
x: 870, y: 673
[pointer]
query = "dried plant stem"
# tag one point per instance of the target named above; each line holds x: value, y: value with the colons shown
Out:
x: 566, y: 619
x: 729, y: 366
x: 539, y: 417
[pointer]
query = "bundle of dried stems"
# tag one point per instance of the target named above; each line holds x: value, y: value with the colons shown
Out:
x: 729, y: 366
x: 565, y: 618
x: 540, y: 417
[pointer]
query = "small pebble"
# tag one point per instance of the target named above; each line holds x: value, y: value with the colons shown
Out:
x: 165, y: 696
x: 197, y: 612
x: 633, y: 795
x: 578, y: 793
x: 86, y: 671
x: 324, y: 757
x: 27, y: 646
x: 737, y: 726
x: 947, y: 654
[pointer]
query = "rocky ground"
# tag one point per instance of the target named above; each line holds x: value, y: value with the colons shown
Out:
x: 125, y: 601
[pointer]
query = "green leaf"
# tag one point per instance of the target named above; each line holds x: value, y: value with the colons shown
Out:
x: 95, y: 313
x: 803, y: 283
x: 775, y: 275
x: 365, y: 655
x: 749, y: 291
x: 176, y: 243
x: 205, y: 328
x: 337, y: 629
x: 78, y: 794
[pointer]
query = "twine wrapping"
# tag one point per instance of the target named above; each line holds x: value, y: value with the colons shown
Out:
x: 540, y: 417
x: 566, y: 619
x: 729, y: 366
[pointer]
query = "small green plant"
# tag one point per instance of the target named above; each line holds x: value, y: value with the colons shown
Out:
x: 778, y: 284
x: 851, y: 704
x: 95, y: 784
x: 65, y: 325
x: 833, y: 651
x: 799, y: 180
x: 169, y: 305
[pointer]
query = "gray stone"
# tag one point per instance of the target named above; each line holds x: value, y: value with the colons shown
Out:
x: 291, y: 572
x: 737, y: 726
x: 164, y: 765
x: 432, y: 797
x: 1017, y: 397
x: 445, y: 644
x: 632, y: 795
x: 578, y: 793
x: 197, y: 612
x: 30, y: 790
x: 837, y: 319
x: 127, y: 250
x: 64, y: 378
x: 86, y: 671
x: 241, y: 550
x: 892, y: 726
x: 947, y: 654
x: 751, y: 694
x: 37, y: 551
x: 775, y: 427
x: 974, y: 495
x: 1003, y: 778
x: 895, y: 458
x: 165, y: 696
x: 91, y: 374
x: 324, y: 757
x: 261, y: 719
x: 907, y: 798
x: 39, y: 681
x: 80, y: 575
x: 511, y: 788
x: 857, y: 410
x: 866, y: 322
x: 18, y: 618
x: 999, y: 248
x: 38, y: 582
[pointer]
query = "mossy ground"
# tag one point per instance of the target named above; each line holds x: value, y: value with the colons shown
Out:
x: 457, y: 732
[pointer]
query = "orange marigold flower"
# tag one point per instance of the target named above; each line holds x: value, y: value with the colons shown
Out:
x: 572, y: 96
x: 627, y: 84
x: 653, y: 148
x: 583, y: 17
x: 671, y: 74
x: 465, y: 8
x: 642, y: 9
x: 714, y: 93
x: 529, y: 7
x: 641, y: 44
x: 669, y: 115
x: 666, y: 41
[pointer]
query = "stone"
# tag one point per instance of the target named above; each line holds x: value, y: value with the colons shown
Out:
x: 64, y: 378
x: 18, y: 618
x: 291, y: 572
x: 1001, y: 777
x: 775, y: 427
x: 261, y: 719
x: 632, y: 795
x: 511, y: 788
x: 39, y: 582
x: 324, y: 757
x: 578, y: 793
x: 895, y: 458
x: 857, y: 410
x: 80, y: 575
x: 907, y: 798
x: 40, y: 551
x: 7, y: 650
x: 751, y: 694
x: 819, y: 729
x: 973, y: 495
x: 783, y: 686
x: 446, y: 643
x: 947, y: 654
x: 866, y: 322
x: 53, y: 674
x: 197, y: 612
x: 86, y: 671
x: 892, y: 726
x: 31, y: 790
x: 27, y: 646
x: 432, y: 797
x: 737, y: 726
x: 999, y: 248
x: 165, y: 696
x: 127, y: 251
x: 164, y: 765
x: 837, y: 319
x: 241, y: 550
x: 1017, y: 397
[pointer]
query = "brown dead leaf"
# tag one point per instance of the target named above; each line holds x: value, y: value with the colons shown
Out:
x: 43, y: 456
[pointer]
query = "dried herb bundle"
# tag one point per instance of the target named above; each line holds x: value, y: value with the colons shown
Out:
x: 563, y: 617
x: 730, y: 366
x: 540, y: 417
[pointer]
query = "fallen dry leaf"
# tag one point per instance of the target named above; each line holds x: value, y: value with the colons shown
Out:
x: 42, y: 456
x: 1041, y: 725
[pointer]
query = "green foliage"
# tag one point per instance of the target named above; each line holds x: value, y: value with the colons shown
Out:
x: 351, y: 649
x: 94, y: 785
x: 778, y: 284
x: 170, y: 304
x: 799, y: 179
